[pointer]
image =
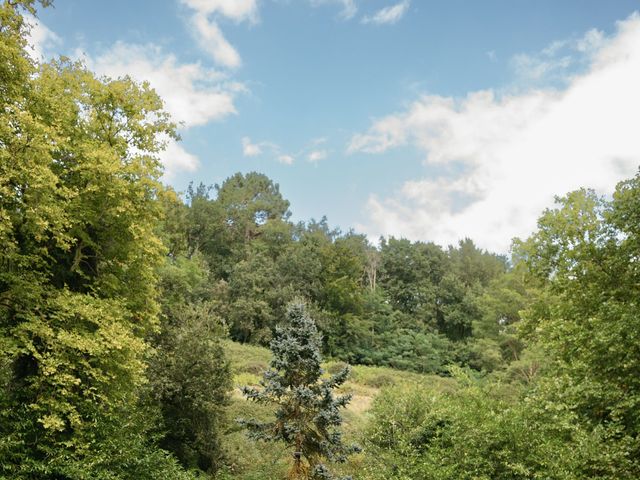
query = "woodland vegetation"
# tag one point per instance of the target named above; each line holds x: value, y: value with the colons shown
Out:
x: 131, y: 316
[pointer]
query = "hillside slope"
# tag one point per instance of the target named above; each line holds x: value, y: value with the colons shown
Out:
x: 249, y: 460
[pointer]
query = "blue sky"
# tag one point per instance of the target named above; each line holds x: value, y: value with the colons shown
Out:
x: 430, y: 120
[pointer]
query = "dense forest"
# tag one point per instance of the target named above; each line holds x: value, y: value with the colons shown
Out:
x: 131, y: 315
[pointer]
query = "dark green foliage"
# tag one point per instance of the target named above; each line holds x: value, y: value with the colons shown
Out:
x: 474, y: 266
x: 409, y: 305
x: 250, y: 201
x: 307, y: 416
x: 252, y: 288
x: 189, y: 375
x: 410, y: 273
x: 190, y: 381
x: 455, y: 309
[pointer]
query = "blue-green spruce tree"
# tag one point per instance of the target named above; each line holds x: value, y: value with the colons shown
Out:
x: 307, y: 416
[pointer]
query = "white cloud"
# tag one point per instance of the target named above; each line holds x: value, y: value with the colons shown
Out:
x: 176, y: 159
x: 208, y: 33
x: 316, y: 155
x: 193, y: 95
x: 286, y: 159
x: 591, y: 41
x: 312, y: 150
x: 237, y: 10
x: 41, y: 40
x: 250, y: 149
x: 349, y: 7
x: 553, y: 62
x: 388, y: 15
x: 502, y: 159
x: 535, y: 69
x: 319, y: 141
x: 212, y: 41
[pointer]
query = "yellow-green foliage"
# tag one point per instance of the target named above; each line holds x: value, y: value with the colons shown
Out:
x: 79, y: 178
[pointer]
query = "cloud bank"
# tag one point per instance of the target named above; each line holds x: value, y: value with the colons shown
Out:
x: 502, y: 158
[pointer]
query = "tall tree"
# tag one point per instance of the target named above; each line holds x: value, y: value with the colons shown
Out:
x: 410, y: 273
x: 475, y: 266
x: 190, y: 380
x: 79, y: 175
x: 249, y: 201
x: 307, y: 412
x: 586, y: 250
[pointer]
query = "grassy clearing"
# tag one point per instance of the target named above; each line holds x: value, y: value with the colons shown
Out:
x: 258, y: 461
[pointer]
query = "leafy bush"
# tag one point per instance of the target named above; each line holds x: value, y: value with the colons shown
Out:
x: 476, y: 433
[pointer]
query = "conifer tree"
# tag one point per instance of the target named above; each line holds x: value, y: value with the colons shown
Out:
x: 307, y: 416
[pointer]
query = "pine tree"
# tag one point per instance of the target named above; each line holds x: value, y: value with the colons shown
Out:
x: 308, y: 415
